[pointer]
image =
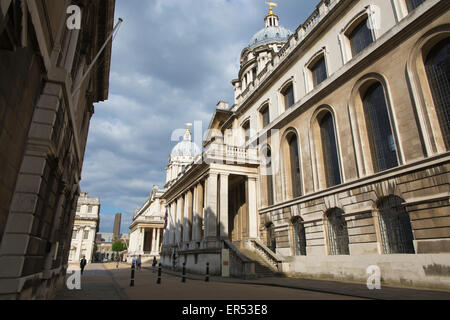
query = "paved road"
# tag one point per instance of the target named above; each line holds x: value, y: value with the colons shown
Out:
x: 105, y: 282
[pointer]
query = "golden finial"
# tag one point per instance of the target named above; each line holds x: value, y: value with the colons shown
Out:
x: 188, y: 125
x: 271, y: 4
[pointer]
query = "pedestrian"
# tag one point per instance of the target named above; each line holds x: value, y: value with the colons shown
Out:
x: 133, y: 262
x: 138, y: 262
x: 83, y: 263
x: 118, y: 261
x: 154, y: 264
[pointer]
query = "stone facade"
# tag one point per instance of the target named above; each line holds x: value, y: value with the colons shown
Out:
x: 85, y: 227
x: 147, y: 228
x: 44, y: 127
x: 293, y: 171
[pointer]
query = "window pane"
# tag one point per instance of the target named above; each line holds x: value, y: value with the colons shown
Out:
x: 319, y: 72
x: 438, y: 71
x: 265, y: 116
x: 338, y: 233
x: 395, y: 226
x: 412, y: 4
x: 330, y: 155
x: 360, y: 38
x: 381, y: 139
x: 299, y: 239
x: 246, y: 127
x: 295, y: 166
x: 269, y: 178
x: 288, y: 97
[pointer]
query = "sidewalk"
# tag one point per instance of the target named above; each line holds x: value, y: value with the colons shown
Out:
x: 334, y: 287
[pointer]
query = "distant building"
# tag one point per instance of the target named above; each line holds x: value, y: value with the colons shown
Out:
x: 104, y: 243
x: 147, y: 227
x: 85, y: 227
x: 117, y: 224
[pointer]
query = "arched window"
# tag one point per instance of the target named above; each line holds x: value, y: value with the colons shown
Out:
x: 360, y: 37
x: 294, y: 165
x: 299, y: 237
x: 395, y: 226
x: 437, y: 65
x: 288, y: 96
x: 329, y: 149
x: 271, y: 237
x: 269, y: 176
x: 337, y: 233
x: 412, y: 4
x: 381, y: 139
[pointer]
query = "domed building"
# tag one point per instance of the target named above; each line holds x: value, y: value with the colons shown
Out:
x: 181, y: 156
x: 261, y: 49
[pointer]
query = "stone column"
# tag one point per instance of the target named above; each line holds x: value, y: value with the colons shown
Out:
x: 142, y: 240
x: 78, y: 243
x: 252, y: 210
x: 187, y: 217
x: 172, y: 219
x: 158, y: 238
x: 153, y: 249
x: 211, y: 211
x: 178, y: 220
x: 223, y: 205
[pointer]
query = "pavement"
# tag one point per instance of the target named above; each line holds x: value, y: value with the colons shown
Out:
x: 105, y: 282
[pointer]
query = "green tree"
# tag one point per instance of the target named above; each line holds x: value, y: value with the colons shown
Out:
x: 119, y: 246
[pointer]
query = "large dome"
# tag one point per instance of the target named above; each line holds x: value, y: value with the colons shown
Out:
x: 270, y: 35
x: 185, y: 148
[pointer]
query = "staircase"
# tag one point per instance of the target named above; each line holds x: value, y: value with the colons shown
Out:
x: 262, y: 268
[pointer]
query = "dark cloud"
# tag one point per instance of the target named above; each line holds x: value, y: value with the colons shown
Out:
x: 172, y: 62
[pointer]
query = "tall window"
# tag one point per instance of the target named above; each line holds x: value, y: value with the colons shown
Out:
x: 89, y: 209
x: 437, y: 65
x: 329, y: 149
x: 78, y: 208
x: 265, y: 116
x: 412, y: 4
x: 74, y: 234
x: 337, y: 233
x: 288, y: 96
x: 294, y: 165
x: 246, y: 127
x: 86, y: 234
x: 360, y: 37
x: 395, y: 226
x: 319, y: 71
x: 381, y: 139
x: 271, y: 237
x: 299, y: 238
x: 269, y: 176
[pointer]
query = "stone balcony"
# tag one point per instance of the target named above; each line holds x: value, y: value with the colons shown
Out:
x: 226, y: 154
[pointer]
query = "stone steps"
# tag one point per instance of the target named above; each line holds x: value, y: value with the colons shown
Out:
x: 262, y: 268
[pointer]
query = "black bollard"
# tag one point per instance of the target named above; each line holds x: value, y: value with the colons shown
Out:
x: 159, y: 275
x: 132, y: 276
x: 183, y: 278
x: 207, y: 272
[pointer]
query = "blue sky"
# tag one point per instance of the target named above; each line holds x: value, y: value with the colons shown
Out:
x: 172, y: 61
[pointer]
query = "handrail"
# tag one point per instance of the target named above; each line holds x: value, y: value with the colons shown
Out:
x: 236, y: 251
x: 269, y: 252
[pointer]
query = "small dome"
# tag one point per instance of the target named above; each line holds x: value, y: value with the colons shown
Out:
x: 270, y: 35
x: 185, y: 148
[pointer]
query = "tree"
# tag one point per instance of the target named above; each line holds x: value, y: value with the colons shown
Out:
x: 119, y: 246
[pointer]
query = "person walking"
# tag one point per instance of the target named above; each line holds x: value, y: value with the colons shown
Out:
x: 138, y: 262
x: 83, y: 263
x: 118, y: 261
x: 154, y: 263
x: 133, y: 262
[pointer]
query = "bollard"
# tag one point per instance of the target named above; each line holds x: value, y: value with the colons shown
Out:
x: 132, y: 276
x: 183, y: 278
x: 159, y: 275
x: 207, y: 272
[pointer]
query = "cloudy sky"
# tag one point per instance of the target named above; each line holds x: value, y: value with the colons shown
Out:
x: 172, y: 61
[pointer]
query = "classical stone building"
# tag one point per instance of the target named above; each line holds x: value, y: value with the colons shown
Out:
x: 85, y: 228
x: 147, y: 228
x: 44, y: 125
x: 335, y: 154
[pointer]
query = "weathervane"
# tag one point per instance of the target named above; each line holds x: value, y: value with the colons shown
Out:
x: 271, y: 4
